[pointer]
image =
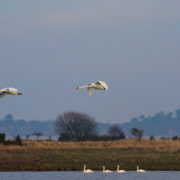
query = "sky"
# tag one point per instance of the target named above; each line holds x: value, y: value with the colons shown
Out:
x: 48, y: 48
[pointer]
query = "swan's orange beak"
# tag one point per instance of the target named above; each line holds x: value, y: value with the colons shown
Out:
x: 78, y: 87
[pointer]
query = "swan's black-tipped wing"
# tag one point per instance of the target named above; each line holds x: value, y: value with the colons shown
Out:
x: 2, y: 94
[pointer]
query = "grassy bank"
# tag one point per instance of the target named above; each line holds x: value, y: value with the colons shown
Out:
x: 53, y: 156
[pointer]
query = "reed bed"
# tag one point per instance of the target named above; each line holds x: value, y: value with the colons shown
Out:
x: 52, y: 156
x: 158, y: 145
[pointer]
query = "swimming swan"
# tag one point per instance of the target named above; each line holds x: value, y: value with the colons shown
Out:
x: 87, y: 170
x: 106, y: 171
x: 140, y: 170
x: 120, y: 171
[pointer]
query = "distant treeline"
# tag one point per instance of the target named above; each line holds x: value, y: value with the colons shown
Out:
x: 24, y: 128
x: 161, y: 124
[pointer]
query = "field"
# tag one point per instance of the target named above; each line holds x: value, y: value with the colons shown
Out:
x: 53, y: 156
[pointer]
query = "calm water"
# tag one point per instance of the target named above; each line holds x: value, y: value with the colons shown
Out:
x: 68, y: 175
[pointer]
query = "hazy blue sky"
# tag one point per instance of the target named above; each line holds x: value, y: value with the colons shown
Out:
x: 48, y: 48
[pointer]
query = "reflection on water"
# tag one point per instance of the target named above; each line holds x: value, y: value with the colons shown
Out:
x: 60, y: 175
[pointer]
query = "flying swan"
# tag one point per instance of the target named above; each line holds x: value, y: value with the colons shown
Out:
x: 106, y: 171
x: 120, y: 171
x: 100, y: 85
x: 140, y: 170
x: 11, y: 91
x: 87, y: 170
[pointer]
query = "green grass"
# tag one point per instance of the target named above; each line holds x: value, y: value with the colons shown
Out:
x: 74, y: 159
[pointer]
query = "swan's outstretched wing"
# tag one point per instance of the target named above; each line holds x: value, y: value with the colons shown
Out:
x: 102, y: 83
x: 89, y: 91
x: 2, y: 94
x: 13, y: 90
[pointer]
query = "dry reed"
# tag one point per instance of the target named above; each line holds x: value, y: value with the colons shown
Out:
x: 127, y: 144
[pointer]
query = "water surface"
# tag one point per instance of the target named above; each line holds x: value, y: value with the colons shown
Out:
x: 77, y: 175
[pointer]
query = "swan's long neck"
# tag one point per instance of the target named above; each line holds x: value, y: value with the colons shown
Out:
x: 118, y: 168
x: 80, y: 87
x: 103, y: 168
x: 137, y: 168
x: 84, y: 167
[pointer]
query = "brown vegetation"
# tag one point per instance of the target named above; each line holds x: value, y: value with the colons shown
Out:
x: 52, y: 156
x: 160, y: 145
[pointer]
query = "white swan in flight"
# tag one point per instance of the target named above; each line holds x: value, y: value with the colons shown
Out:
x: 120, y: 171
x: 87, y: 170
x: 11, y: 91
x: 106, y: 171
x: 140, y: 170
x: 100, y: 85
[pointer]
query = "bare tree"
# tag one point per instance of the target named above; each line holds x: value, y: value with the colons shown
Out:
x: 137, y: 133
x: 116, y: 133
x: 37, y: 134
x: 18, y: 140
x: 75, y: 126
x: 2, y: 137
x: 27, y: 136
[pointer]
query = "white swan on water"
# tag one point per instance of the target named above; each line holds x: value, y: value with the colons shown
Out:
x: 106, y: 171
x: 140, y: 170
x: 87, y: 170
x: 11, y: 91
x: 120, y: 171
x: 100, y: 85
